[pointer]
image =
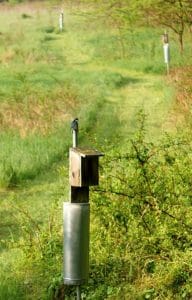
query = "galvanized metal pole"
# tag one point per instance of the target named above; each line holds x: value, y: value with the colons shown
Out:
x: 78, y: 292
x: 76, y: 223
x: 166, y: 56
x: 75, y: 128
x: 61, y: 23
x: 83, y: 172
x: 166, y: 51
x: 75, y: 139
x: 167, y: 68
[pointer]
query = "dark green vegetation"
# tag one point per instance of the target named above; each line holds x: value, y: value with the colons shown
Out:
x: 175, y: 15
x: 114, y: 81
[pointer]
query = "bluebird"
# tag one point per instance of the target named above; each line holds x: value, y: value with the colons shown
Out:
x: 74, y: 124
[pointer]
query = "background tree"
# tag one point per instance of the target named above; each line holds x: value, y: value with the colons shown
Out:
x: 172, y: 14
x: 175, y: 15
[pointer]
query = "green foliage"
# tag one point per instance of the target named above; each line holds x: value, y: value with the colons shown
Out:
x: 141, y: 215
x: 40, y: 247
x: 25, y: 16
x: 8, y: 176
x: 11, y: 290
x: 30, y: 157
x: 174, y: 15
x: 49, y: 29
x: 15, y: 1
x: 144, y: 215
x: 143, y: 212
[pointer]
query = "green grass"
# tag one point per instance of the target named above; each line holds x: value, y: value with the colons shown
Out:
x: 46, y: 79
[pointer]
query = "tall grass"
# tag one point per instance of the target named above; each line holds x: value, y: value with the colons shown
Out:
x: 11, y: 290
x: 46, y: 79
x: 26, y: 158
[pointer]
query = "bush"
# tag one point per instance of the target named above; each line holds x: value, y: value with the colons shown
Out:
x: 140, y: 230
x: 143, y: 212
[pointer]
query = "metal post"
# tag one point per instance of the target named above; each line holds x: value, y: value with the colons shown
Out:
x: 61, y: 23
x: 75, y: 142
x: 166, y: 55
x: 166, y: 51
x: 76, y: 227
x: 83, y: 172
x: 75, y: 128
x: 78, y: 292
x: 167, y: 68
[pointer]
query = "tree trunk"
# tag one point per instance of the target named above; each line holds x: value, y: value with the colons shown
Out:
x: 181, y: 42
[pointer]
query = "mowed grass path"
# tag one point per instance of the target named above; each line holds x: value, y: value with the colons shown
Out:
x: 135, y: 92
x: 123, y: 92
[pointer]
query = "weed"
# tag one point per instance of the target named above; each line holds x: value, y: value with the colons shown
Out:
x: 49, y: 29
x: 141, y: 215
x: 9, y: 177
x: 25, y: 16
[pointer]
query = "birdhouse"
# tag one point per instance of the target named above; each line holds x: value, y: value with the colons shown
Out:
x: 83, y: 167
x: 165, y: 38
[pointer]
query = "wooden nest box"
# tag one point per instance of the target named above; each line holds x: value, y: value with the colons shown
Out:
x: 83, y: 167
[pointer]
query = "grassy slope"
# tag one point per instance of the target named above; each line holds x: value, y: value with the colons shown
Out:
x: 42, y: 64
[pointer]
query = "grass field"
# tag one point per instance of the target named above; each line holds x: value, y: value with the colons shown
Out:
x: 48, y: 77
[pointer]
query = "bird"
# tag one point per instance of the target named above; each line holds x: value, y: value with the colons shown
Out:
x: 74, y: 124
